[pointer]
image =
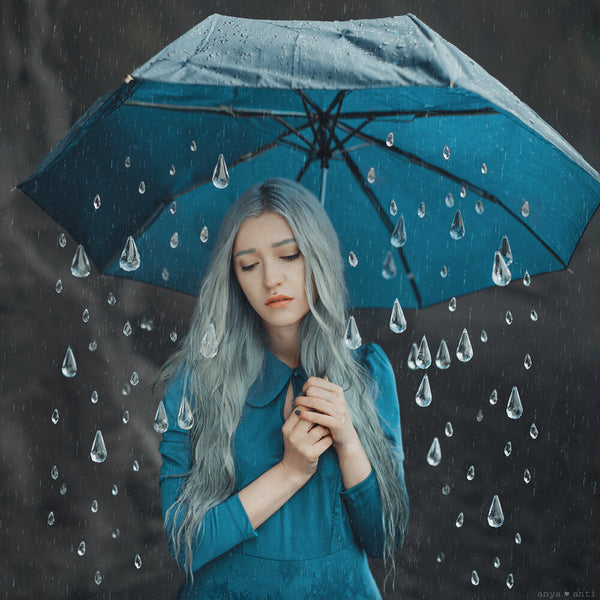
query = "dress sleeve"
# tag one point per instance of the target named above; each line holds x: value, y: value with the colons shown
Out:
x: 363, y: 501
x: 225, y: 525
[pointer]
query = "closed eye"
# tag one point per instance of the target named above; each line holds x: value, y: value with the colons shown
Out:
x: 249, y: 267
x: 292, y: 256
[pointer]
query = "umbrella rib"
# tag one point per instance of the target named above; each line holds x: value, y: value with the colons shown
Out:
x: 418, y: 114
x: 413, y: 158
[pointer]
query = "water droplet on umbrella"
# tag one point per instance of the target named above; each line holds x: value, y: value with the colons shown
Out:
x: 98, y: 577
x: 69, y: 366
x: 352, y: 337
x: 94, y: 506
x: 508, y: 449
x: 115, y: 490
x: 434, y: 456
x: 497, y: 562
x: 442, y: 358
x: 193, y: 146
x: 126, y: 390
x: 393, y: 208
x: 173, y: 336
x: 484, y: 336
x: 147, y: 323
x: 97, y: 201
x: 352, y: 259
x: 137, y: 561
x: 112, y: 300
x: 135, y: 466
x: 93, y: 346
x: 371, y: 175
x: 527, y: 476
x: 172, y: 170
x: 474, y: 577
x: 185, y: 417
x: 142, y: 187
x: 525, y: 209
x: 51, y: 518
x: 510, y: 581
x: 506, y: 251
x: 54, y: 472
x: 85, y: 316
x: 449, y: 200
x: 449, y: 430
x: 209, y: 345
x: 423, y: 395
x: 514, y: 408
x: 130, y: 257
x: 55, y: 416
x: 533, y: 431
x: 421, y: 210
x: 527, y: 361
x: 94, y: 397
x: 220, y: 176
x: 128, y: 161
x: 59, y: 286
x: 440, y: 557
x: 412, y: 357
x: 423, y: 359
x: 127, y: 329
x: 388, y: 270
x: 444, y: 272
x: 533, y: 315
x: 204, y: 235
x: 508, y: 317
x: 80, y: 267
x: 62, y: 240
x: 174, y: 241
x: 527, y: 279
x: 446, y: 489
x: 457, y: 228
x: 494, y: 397
x: 446, y: 152
x: 464, y: 351
x: 397, y: 319
x: 98, y: 452
x: 495, y: 516
x: 484, y: 169
x: 460, y: 520
x: 517, y: 538
x: 161, y: 422
x: 500, y: 273
x: 479, y: 208
x: 389, y: 140
x: 135, y: 378
x: 165, y: 274
x: 115, y: 533
x: 125, y: 417
x: 463, y: 192
x: 81, y: 548
x: 398, y: 238
x: 452, y: 304
x: 63, y: 489
x: 479, y: 416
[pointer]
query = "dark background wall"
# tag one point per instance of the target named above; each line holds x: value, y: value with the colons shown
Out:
x: 56, y: 57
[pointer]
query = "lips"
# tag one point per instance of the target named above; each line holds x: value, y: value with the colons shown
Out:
x: 279, y: 300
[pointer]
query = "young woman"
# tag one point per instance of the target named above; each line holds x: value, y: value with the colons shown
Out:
x: 292, y: 469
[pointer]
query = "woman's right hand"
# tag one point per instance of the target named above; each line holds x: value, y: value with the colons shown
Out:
x: 303, y: 443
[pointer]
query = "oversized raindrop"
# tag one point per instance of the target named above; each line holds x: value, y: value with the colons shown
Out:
x: 371, y: 175
x: 452, y: 304
x: 434, y: 456
x: 135, y: 378
x: 220, y: 177
x: 449, y: 430
x: 463, y: 192
x: 411, y: 361
x: 59, y: 286
x: 55, y: 416
x: 393, y: 208
x: 527, y: 279
x: 514, y: 408
x: 444, y: 272
x: 442, y: 358
x: 423, y: 395
x: 142, y: 187
x: 62, y: 240
x: 98, y: 452
x: 389, y: 140
x: 94, y: 506
x: 508, y: 449
x: 81, y: 548
x: 460, y: 519
x: 423, y: 359
x: 161, y: 422
x: 449, y: 200
x: 533, y: 315
x: 135, y: 466
x: 495, y: 517
x: 174, y: 241
x: 527, y: 362
x: 421, y: 211
x: 85, y: 316
x: 494, y: 397
x: 173, y: 336
x: 446, y: 152
x: 172, y: 170
x: 193, y: 146
x: 527, y: 476
x: 474, y: 577
x: 464, y: 351
x: 484, y: 336
x: 497, y: 562
x: 130, y: 257
x: 54, y: 472
x: 204, y: 235
x: 533, y: 431
x: 51, y: 518
x: 209, y: 346
x: 93, y: 346
x: 111, y: 300
x: 397, y: 319
x: 506, y: 251
x: 127, y: 162
x: 115, y: 490
x: 398, y: 238
x: 510, y: 581
x: 97, y: 201
x: 457, y: 228
x: 352, y: 337
x: 352, y: 259
x: 80, y: 266
x: 97, y: 578
x: 388, y: 270
x: 508, y: 317
x: 484, y: 169
x: 69, y: 365
x: 471, y: 473
x: 127, y: 329
x: 525, y: 209
x: 518, y: 539
x: 501, y: 275
x: 137, y: 561
x: 94, y: 397
x: 185, y: 417
x: 125, y: 417
x: 479, y: 208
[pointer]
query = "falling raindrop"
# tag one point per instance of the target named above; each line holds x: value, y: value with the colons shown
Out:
x: 423, y: 395
x: 130, y: 257
x: 142, y: 187
x: 464, y: 351
x: 495, y: 516
x: 85, y: 317
x: 125, y: 417
x: 128, y: 161
x: 93, y: 346
x: 147, y: 323
x: 446, y: 152
x: 527, y: 362
x: 527, y: 279
x: 508, y: 449
x: 127, y: 329
x: 172, y: 170
x: 445, y: 489
x: 421, y: 210
x: 137, y: 561
x: 209, y: 345
x: 449, y: 200
x: 533, y: 315
x: 533, y: 431
x: 484, y: 169
x: 389, y: 140
x: 508, y: 317
x: 388, y: 270
x: 500, y: 272
x: 371, y: 175
x: 81, y: 548
x: 173, y: 336
x: 517, y: 538
x: 352, y: 259
x: 161, y: 422
x: 115, y: 490
x: 94, y: 506
x: 397, y: 319
x: 497, y: 562
x: 393, y: 208
x: 514, y: 408
x: 463, y: 192
x: 54, y: 472
x: 174, y: 241
x: 398, y: 238
x: 185, y: 417
x: 135, y: 378
x: 55, y: 416
x: 434, y: 456
x: 444, y: 272
x: 80, y: 267
x: 98, y: 578
x: 116, y: 532
x: 525, y: 209
x: 412, y: 357
x: 112, y: 300
x: 423, y: 359
x: 494, y: 397
x: 204, y: 235
x: 51, y: 518
x: 527, y: 476
x: 479, y: 207
x: 440, y: 557
x: 457, y: 228
x: 59, y: 286
x: 165, y: 274
x: 220, y: 177
x: 97, y: 201
x: 449, y: 430
x: 98, y: 452
x: 460, y: 520
x: 506, y: 251
x: 69, y: 366
x: 479, y: 416
x: 474, y: 577
x: 452, y: 304
x: 510, y: 581
x: 471, y: 473
x: 62, y: 240
x: 442, y: 358
x: 352, y: 337
x: 484, y: 336
x: 193, y: 146
x: 126, y: 390
x: 135, y: 466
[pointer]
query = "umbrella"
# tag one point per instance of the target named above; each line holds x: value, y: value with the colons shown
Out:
x: 426, y: 164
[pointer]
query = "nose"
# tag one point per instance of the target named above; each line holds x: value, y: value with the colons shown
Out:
x: 272, y: 275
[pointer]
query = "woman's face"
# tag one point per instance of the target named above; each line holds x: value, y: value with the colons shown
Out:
x: 270, y: 270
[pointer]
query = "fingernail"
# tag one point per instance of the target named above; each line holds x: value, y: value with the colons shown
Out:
x: 297, y: 411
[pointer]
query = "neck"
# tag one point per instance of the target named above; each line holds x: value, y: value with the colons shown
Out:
x: 283, y: 343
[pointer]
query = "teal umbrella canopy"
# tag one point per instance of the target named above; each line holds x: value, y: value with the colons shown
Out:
x: 362, y: 113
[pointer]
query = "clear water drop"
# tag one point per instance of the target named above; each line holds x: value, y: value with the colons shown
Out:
x: 85, y: 316
x: 452, y: 304
x: 97, y: 201
x: 449, y: 200
x: 398, y: 238
x: 127, y: 161
x: 98, y: 452
x: 463, y: 192
x: 126, y: 390
x: 172, y: 170
x: 165, y: 274
x: 495, y: 517
x: 54, y: 472
x: 142, y: 187
x: 80, y: 266
x: 497, y: 562
x: 518, y: 539
x: 81, y: 548
x: 527, y: 362
x: 115, y: 490
x: 185, y: 417
x: 62, y: 240
x: 514, y: 408
x: 371, y: 175
x: 423, y: 395
x: 173, y: 336
x: 94, y: 506
x: 446, y: 152
x: 474, y: 577
x: 442, y: 358
x: 501, y: 275
x: 484, y: 169
x: 127, y: 329
x: 506, y: 251
x: 204, y: 235
x: 440, y: 557
x: 209, y: 345
x: 388, y: 270
x: 161, y: 422
x: 533, y: 431
x: 59, y: 286
x: 508, y: 449
x: 411, y: 362
x: 393, y: 208
x: 137, y: 561
x: 510, y: 581
x: 464, y: 351
x: 111, y: 300
x: 423, y: 359
x: 460, y: 519
x: 352, y: 259
x: 527, y: 476
x: 494, y: 397
x: 135, y: 378
x: 471, y: 473
x: 125, y: 417
x: 444, y: 272
x: 484, y: 336
x: 479, y: 208
x: 220, y: 177
x: 147, y: 323
x: 116, y: 532
x: 525, y: 209
x: 457, y: 228
x: 449, y: 430
x: 352, y: 337
x: 445, y: 489
x: 508, y: 317
x: 479, y: 416
x: 174, y: 241
x: 55, y: 416
x: 193, y: 146
x: 434, y: 456
x: 533, y: 315
x: 93, y: 346
x: 51, y: 518
x: 527, y: 279
x: 69, y: 365
x: 97, y: 578
x: 130, y: 257
x: 135, y: 466
x: 389, y: 140
x: 398, y: 322
x: 421, y: 211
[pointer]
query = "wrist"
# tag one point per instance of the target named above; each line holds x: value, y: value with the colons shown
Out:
x: 292, y: 479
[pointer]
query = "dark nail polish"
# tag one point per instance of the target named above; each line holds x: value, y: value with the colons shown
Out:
x: 297, y: 411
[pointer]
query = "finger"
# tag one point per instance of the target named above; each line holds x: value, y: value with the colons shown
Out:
x: 320, y: 383
x: 318, y: 432
x: 319, y: 419
x: 313, y: 403
x: 323, y: 444
x: 302, y: 425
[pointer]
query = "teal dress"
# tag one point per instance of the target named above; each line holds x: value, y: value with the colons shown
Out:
x: 314, y: 546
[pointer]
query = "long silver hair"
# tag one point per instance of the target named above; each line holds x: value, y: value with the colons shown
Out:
x: 218, y: 386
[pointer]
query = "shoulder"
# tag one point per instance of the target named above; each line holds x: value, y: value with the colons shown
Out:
x: 375, y: 361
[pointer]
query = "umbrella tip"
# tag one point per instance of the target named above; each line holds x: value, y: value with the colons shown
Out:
x: 128, y: 78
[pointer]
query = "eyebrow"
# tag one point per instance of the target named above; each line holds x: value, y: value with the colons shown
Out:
x: 275, y: 245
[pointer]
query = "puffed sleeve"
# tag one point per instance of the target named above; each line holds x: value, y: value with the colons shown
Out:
x: 363, y: 501
x: 225, y: 525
